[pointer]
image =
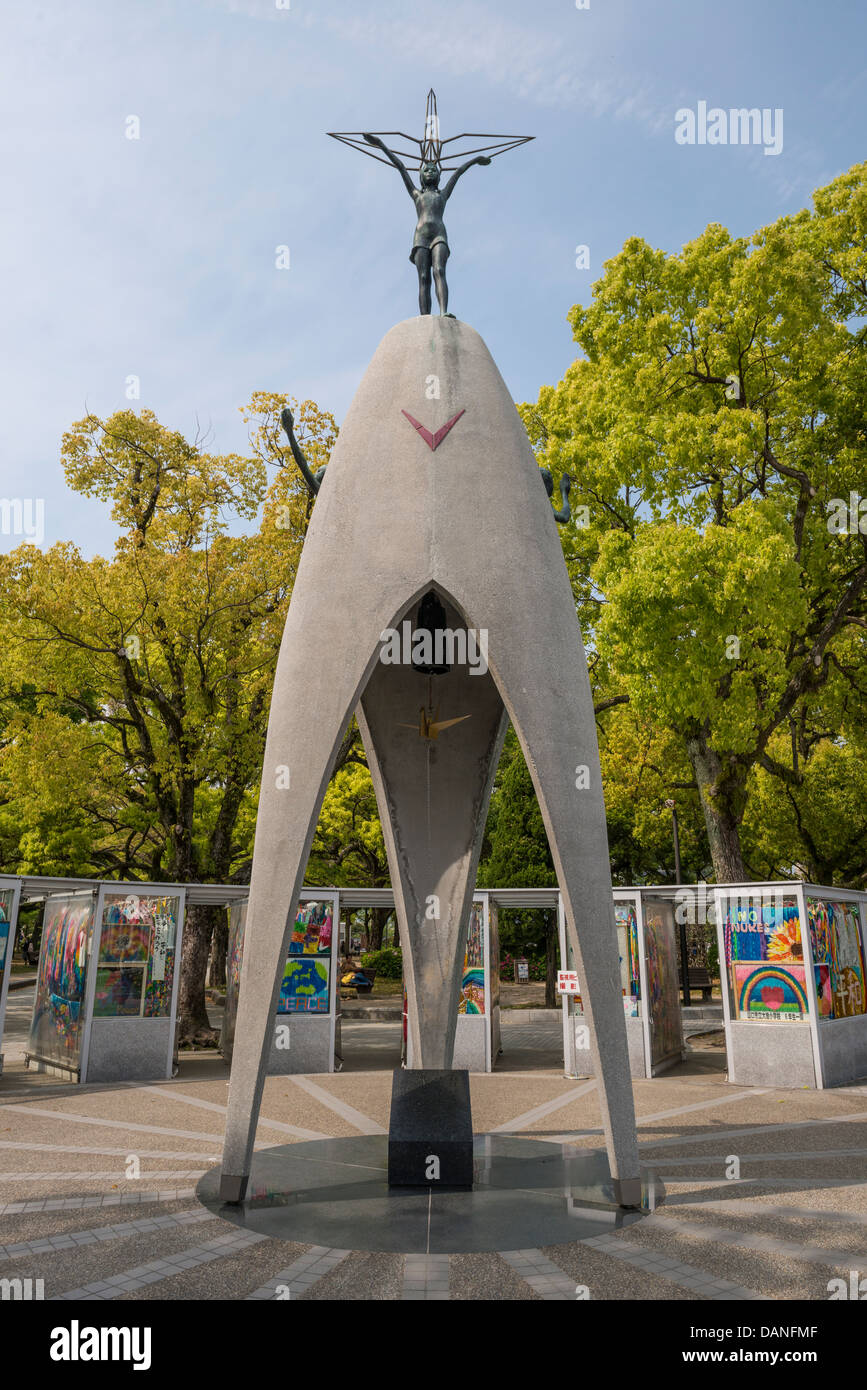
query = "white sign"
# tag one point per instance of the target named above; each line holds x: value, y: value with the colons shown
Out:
x: 162, y: 927
x: 567, y: 982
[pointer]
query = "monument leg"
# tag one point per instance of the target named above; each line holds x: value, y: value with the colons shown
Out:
x: 566, y: 778
x: 299, y: 758
x: 277, y: 878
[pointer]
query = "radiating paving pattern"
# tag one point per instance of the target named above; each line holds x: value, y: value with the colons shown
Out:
x: 790, y: 1219
x: 749, y: 1240
x: 132, y: 1279
x: 301, y: 1275
x: 686, y: 1276
x: 109, y: 1199
x: 49, y: 1244
x: 544, y: 1277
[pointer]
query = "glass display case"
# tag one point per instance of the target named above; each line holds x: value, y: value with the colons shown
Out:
x: 647, y: 952
x: 7, y: 896
x: 305, y: 1023
x: 132, y: 994
x: 626, y: 927
x: 793, y: 955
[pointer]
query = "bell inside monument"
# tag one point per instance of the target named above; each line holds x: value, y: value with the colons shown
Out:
x: 431, y: 619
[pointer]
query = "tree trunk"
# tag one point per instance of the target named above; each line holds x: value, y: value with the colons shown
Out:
x: 219, y: 951
x: 551, y: 948
x: 379, y: 917
x: 194, y: 1026
x: 722, y: 789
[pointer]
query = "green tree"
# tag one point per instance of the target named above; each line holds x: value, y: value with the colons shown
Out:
x: 810, y: 814
x: 643, y: 767
x: 717, y: 413
x: 136, y: 689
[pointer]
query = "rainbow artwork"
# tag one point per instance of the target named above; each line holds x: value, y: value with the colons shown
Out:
x: 125, y: 931
x: 770, y: 993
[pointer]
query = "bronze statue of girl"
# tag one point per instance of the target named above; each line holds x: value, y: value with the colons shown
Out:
x: 430, y: 247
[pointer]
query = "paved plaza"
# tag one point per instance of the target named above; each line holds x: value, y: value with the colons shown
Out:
x: 766, y: 1189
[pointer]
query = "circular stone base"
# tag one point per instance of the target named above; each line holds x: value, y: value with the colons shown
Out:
x: 334, y: 1192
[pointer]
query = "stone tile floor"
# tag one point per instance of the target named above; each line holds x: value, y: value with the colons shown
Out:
x: 767, y: 1191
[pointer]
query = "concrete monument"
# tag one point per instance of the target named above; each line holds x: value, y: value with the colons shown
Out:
x: 433, y: 588
x: 432, y: 493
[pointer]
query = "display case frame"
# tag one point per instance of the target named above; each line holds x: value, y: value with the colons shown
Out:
x: 12, y: 886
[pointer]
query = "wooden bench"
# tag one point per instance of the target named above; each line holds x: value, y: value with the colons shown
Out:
x: 370, y: 976
x: 699, y: 978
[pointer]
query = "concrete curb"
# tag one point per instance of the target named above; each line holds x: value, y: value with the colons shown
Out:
x: 531, y: 1015
x: 372, y: 1015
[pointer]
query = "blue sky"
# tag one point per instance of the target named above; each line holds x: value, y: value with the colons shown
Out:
x: 156, y: 257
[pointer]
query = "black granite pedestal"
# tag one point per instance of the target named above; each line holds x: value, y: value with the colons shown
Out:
x: 430, y: 1136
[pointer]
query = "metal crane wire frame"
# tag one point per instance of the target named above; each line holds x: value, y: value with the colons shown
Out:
x: 431, y: 149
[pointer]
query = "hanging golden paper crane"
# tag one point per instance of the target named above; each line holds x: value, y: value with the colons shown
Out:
x: 430, y: 725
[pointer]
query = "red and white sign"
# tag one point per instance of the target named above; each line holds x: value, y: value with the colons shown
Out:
x: 567, y: 982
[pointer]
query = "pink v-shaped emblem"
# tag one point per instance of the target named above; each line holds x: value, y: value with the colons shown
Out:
x: 433, y: 441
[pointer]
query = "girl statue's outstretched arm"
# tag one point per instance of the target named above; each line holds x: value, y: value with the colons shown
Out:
x: 450, y: 186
